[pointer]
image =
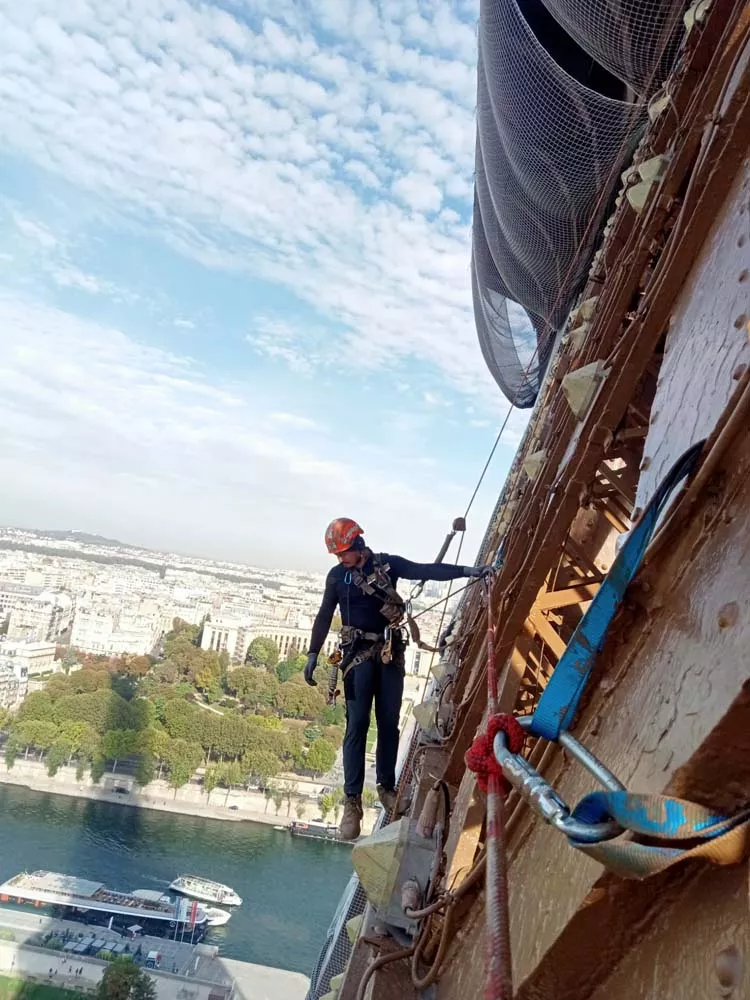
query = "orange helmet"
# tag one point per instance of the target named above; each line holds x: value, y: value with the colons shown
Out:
x: 341, y: 534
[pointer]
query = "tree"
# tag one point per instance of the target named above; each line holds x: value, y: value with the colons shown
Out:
x: 312, y: 733
x: 278, y: 798
x: 289, y: 667
x: 182, y: 758
x: 255, y: 688
x: 82, y: 739
x: 69, y: 661
x: 37, y: 705
x: 321, y: 756
x: 59, y: 754
x: 262, y: 653
x: 230, y: 775
x: 119, y: 743
x: 166, y: 672
x: 210, y: 780
x: 153, y: 741
x: 101, y: 709
x: 260, y: 764
x: 11, y: 753
x: 289, y: 790
x: 142, y: 714
x: 137, y: 666
x: 298, y: 700
x: 123, y: 980
x: 299, y: 809
x: 234, y: 737
x: 326, y: 803
x: 36, y: 734
x: 145, y: 769
x: 181, y: 719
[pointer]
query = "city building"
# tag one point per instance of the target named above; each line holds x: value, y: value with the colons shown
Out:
x: 227, y: 636
x: 34, y: 613
x: 8, y: 688
x: 292, y: 641
x: 12, y: 688
x: 111, y: 631
x: 35, y: 657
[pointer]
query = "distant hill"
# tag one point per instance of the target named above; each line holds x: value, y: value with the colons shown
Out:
x: 80, y: 536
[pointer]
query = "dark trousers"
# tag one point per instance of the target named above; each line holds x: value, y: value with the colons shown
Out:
x: 383, y: 683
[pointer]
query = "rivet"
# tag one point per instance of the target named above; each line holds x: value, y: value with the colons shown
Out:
x: 743, y: 276
x: 728, y: 967
x: 740, y: 321
x: 728, y: 615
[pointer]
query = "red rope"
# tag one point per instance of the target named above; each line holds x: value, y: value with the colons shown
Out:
x: 480, y: 757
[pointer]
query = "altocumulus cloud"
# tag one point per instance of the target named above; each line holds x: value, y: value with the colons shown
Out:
x: 327, y: 146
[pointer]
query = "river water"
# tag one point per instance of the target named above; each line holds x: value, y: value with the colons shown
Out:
x: 290, y: 886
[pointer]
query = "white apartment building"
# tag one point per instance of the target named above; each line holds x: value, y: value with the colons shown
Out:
x: 111, y: 631
x: 33, y: 657
x: 234, y: 637
x: 34, y: 613
x: 292, y: 641
x: 9, y: 689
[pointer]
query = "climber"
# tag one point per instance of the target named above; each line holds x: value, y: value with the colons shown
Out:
x: 363, y: 586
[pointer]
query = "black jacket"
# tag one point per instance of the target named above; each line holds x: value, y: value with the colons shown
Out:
x: 362, y: 610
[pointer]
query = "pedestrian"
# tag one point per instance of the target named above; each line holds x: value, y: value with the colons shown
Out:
x: 363, y: 586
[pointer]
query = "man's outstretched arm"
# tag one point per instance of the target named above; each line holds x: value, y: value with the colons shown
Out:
x: 408, y: 570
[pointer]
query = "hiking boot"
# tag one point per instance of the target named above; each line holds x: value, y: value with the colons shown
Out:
x: 351, y: 821
x: 387, y: 798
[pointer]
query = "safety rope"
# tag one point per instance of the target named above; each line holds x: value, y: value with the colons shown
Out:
x: 481, y: 759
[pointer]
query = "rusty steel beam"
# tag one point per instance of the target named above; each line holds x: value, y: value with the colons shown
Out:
x: 564, y: 598
x: 529, y: 560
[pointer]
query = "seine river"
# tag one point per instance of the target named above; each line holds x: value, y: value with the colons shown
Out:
x: 290, y: 886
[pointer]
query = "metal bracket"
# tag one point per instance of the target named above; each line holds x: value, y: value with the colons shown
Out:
x: 542, y: 797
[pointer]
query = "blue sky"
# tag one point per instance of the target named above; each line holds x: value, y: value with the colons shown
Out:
x: 234, y: 274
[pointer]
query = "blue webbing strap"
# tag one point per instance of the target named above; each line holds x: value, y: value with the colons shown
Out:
x: 560, y: 698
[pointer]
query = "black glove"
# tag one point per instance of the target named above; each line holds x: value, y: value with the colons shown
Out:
x: 312, y: 662
x: 478, y: 572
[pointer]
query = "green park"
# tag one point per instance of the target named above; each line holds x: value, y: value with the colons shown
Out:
x: 189, y: 709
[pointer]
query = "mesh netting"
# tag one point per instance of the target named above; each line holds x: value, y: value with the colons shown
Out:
x: 635, y: 39
x: 549, y: 153
x: 335, y: 953
x: 509, y: 345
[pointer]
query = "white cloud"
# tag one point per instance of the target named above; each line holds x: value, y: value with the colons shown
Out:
x: 293, y: 420
x: 34, y: 231
x: 250, y: 144
x: 418, y: 192
x: 184, y: 324
x: 140, y: 443
x: 68, y: 276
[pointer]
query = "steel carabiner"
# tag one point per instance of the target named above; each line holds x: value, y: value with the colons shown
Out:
x: 543, y: 798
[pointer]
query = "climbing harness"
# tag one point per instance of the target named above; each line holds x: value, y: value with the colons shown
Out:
x: 603, y: 823
x: 395, y: 608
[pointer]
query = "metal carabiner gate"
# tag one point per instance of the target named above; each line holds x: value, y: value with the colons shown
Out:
x: 543, y: 798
